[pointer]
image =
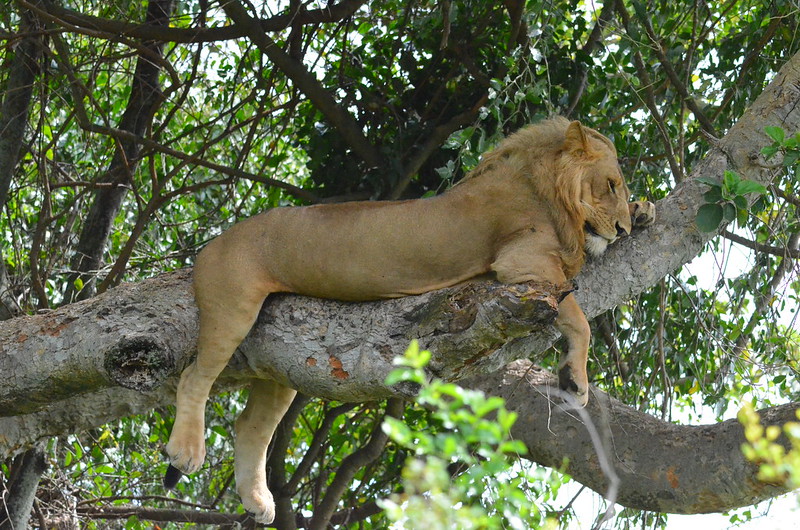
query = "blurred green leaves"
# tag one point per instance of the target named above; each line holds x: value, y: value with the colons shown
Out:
x: 466, y: 472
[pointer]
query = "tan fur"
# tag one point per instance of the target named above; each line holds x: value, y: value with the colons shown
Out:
x: 527, y: 212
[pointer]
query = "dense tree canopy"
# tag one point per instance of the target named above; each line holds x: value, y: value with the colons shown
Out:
x: 133, y: 132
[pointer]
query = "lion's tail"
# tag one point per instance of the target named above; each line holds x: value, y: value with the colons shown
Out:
x: 171, y: 477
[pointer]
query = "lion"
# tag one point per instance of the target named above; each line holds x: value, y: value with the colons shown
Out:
x: 530, y: 210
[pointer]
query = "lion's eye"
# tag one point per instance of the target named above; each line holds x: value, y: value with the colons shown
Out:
x: 612, y: 187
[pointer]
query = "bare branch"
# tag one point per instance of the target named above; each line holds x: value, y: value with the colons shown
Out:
x: 113, y: 29
x: 760, y: 247
x: 160, y: 514
x: 350, y: 466
x: 588, y: 48
x: 649, y: 98
x: 705, y: 123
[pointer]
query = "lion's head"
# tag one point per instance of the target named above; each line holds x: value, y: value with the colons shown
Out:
x: 574, y: 170
x: 596, y: 190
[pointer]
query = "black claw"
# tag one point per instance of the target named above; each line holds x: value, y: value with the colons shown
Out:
x: 566, y: 292
x: 565, y: 381
x: 172, y: 476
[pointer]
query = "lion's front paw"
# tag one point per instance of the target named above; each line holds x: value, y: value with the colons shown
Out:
x: 186, y: 449
x: 643, y: 213
x: 259, y: 502
x: 575, y: 384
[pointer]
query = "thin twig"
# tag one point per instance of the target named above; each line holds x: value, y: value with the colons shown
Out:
x: 783, y: 252
x: 705, y: 123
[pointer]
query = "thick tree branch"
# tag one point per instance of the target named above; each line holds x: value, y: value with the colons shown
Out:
x: 662, y: 467
x: 22, y: 71
x: 139, y: 336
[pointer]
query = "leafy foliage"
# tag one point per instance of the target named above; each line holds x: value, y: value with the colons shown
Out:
x: 463, y: 473
x: 727, y: 200
x: 777, y: 464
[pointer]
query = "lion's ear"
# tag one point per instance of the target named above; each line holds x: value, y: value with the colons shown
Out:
x: 576, y: 142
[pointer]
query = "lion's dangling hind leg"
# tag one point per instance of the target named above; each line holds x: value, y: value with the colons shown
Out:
x: 266, y: 405
x: 229, y: 300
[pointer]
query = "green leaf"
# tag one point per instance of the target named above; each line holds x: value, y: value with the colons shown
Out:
x: 776, y: 133
x: 743, y: 187
x: 730, y: 179
x: 769, y: 151
x: 740, y: 202
x: 729, y: 211
x: 713, y: 195
x: 219, y: 429
x: 709, y: 216
x: 790, y: 158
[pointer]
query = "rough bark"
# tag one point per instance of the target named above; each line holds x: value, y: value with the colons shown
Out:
x: 120, y: 352
x: 142, y: 104
x: 140, y: 336
x: 661, y: 466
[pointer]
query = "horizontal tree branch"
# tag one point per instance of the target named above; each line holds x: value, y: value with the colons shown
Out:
x: 161, y: 514
x: 112, y: 29
x: 783, y: 252
x: 661, y: 466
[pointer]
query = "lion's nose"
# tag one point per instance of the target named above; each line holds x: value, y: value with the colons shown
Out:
x: 621, y: 232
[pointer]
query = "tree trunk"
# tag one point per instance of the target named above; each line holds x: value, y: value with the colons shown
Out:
x: 144, y: 100
x: 26, y: 470
x: 121, y: 352
x: 25, y: 66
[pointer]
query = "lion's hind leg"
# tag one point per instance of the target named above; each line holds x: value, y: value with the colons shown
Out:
x: 229, y: 302
x: 266, y: 405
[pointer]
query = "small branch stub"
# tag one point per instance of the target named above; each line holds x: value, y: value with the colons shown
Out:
x: 139, y: 363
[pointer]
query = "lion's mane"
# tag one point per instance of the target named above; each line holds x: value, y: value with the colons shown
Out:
x: 534, y: 153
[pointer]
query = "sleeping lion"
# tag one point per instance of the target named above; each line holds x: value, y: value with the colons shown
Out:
x: 530, y: 211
